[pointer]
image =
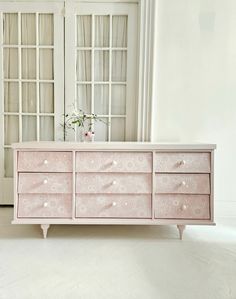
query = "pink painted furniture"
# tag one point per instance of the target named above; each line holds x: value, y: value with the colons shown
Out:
x: 113, y: 183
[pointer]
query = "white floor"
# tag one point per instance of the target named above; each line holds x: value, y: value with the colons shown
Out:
x: 138, y: 262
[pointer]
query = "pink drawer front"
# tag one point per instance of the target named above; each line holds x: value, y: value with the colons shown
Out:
x: 45, y: 161
x: 182, y: 162
x: 182, y: 183
x: 45, y: 183
x: 113, y: 206
x: 182, y: 206
x: 113, y: 183
x: 45, y: 205
x: 113, y: 162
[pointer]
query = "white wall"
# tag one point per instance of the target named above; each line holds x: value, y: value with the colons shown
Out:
x: 196, y: 84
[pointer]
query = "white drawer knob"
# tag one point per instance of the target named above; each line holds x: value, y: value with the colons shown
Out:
x: 114, y: 183
x: 184, y: 207
x: 114, y: 204
x: 45, y: 181
x: 92, y: 161
x: 114, y: 162
x: 45, y: 162
x: 45, y: 205
x: 126, y: 204
x: 183, y: 183
x: 182, y: 162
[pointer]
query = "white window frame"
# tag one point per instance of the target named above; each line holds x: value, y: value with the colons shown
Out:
x: 147, y: 90
x: 6, y: 184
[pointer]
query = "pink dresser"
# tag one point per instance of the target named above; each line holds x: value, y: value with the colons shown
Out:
x: 113, y: 183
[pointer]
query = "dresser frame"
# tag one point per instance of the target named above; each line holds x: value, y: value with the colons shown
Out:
x: 113, y: 147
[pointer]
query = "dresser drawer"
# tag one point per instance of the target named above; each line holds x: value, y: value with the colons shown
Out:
x: 45, y: 183
x: 113, y: 206
x: 113, y: 183
x: 182, y: 183
x: 113, y: 162
x: 45, y: 205
x: 44, y: 161
x: 182, y: 162
x: 182, y: 206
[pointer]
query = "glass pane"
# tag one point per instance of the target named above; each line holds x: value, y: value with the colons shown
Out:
x: 46, y: 29
x: 118, y: 99
x: 84, y: 97
x: 46, y: 128
x: 118, y: 129
x: 29, y: 126
x: 28, y: 63
x: 46, y: 98
x: 46, y: 64
x: 10, y: 62
x: 10, y: 29
x: 101, y: 130
x: 29, y: 97
x: 11, y: 97
x: 119, y: 31
x: 84, y: 29
x: 8, y: 163
x: 119, y: 62
x: 101, y: 99
x: 83, y: 66
x: 28, y: 29
x: 102, y: 26
x: 11, y: 129
x: 101, y: 66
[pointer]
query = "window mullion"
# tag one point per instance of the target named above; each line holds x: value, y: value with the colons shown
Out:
x: 19, y: 76
x: 92, y: 67
x: 110, y: 77
x: 37, y: 77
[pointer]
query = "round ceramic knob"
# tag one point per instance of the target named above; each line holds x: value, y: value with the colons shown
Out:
x: 184, y: 207
x: 45, y: 162
x: 92, y: 161
x: 182, y: 162
x: 114, y: 183
x: 45, y: 204
x: 126, y: 204
x: 114, y: 162
x: 45, y: 181
x: 114, y: 204
x: 183, y: 183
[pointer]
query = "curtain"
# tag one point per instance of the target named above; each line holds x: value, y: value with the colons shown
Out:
x: 28, y: 72
x: 101, y: 70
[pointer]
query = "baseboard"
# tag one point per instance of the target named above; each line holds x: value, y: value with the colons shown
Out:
x: 225, y: 209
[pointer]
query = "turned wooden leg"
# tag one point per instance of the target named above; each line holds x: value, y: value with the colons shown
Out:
x: 45, y: 228
x: 181, y: 229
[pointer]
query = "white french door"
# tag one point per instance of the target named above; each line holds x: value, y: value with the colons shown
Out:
x: 31, y: 79
x: 101, y: 67
x: 100, y: 61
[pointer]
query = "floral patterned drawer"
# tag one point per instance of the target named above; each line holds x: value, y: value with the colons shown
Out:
x: 182, y: 206
x: 113, y: 206
x: 45, y: 205
x: 113, y: 183
x: 113, y: 162
x: 44, y: 161
x: 45, y: 183
x: 182, y: 183
x: 183, y: 162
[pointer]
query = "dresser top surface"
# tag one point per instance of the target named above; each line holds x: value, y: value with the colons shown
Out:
x: 64, y: 145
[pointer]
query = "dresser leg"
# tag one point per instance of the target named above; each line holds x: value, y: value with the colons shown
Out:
x: 181, y: 229
x: 45, y: 228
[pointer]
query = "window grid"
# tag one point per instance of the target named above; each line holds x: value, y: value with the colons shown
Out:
x: 92, y: 82
x: 19, y: 47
